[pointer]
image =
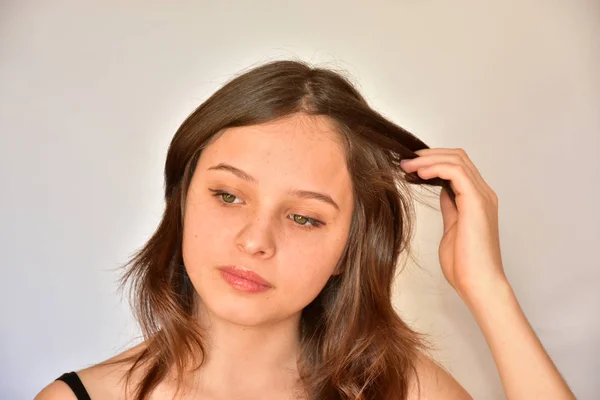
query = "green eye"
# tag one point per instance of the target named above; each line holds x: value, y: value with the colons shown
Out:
x: 300, y: 219
x: 228, y: 198
x: 306, y: 222
x: 224, y: 197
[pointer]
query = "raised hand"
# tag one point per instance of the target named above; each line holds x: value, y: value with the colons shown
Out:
x: 471, y: 262
x: 470, y: 247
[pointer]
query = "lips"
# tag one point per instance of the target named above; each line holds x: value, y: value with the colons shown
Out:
x: 245, y: 273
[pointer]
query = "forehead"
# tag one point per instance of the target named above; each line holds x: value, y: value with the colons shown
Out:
x: 298, y: 150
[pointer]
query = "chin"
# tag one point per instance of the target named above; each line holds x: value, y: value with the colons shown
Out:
x: 235, y: 313
x: 237, y: 309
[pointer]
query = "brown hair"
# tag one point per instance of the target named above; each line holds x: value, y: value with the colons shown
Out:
x: 353, y: 343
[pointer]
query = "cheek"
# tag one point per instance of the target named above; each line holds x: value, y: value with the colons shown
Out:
x: 306, y: 271
x: 204, y: 239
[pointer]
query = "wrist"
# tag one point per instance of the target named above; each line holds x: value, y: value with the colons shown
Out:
x: 487, y: 292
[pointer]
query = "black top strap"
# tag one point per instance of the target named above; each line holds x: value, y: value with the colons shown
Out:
x: 72, y: 379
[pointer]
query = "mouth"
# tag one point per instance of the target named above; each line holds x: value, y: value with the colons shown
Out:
x: 244, y: 279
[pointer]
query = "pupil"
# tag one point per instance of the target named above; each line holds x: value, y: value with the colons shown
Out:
x: 300, y: 219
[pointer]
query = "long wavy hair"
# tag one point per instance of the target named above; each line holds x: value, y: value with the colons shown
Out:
x: 354, y: 345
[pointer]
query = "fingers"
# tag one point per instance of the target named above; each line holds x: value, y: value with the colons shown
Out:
x: 462, y: 181
x: 460, y: 155
x: 429, y: 157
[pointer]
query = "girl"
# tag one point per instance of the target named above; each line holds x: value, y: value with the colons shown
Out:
x: 269, y: 277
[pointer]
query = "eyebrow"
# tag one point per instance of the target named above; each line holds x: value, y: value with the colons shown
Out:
x: 236, y: 171
x: 304, y: 194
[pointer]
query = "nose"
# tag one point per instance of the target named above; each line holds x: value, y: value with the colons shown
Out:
x: 256, y: 239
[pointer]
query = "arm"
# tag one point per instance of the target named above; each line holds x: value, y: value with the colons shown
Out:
x: 471, y: 261
x: 526, y: 370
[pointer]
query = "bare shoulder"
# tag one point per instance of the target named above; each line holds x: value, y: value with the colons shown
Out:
x: 101, y: 381
x: 434, y: 382
x: 57, y: 390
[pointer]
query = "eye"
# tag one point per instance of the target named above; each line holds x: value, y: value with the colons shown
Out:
x: 306, y: 222
x: 227, y: 198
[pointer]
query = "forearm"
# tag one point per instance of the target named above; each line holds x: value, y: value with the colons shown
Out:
x: 526, y: 370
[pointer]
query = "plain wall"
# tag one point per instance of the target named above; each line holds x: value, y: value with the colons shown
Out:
x: 92, y: 92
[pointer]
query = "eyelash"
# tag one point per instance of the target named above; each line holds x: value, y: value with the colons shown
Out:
x: 314, y: 223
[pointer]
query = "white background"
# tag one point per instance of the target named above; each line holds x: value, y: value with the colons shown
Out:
x: 91, y: 94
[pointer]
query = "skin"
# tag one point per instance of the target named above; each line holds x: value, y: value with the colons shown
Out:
x: 471, y: 261
x: 257, y: 224
x: 253, y: 337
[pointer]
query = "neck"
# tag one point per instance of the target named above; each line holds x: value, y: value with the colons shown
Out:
x: 247, y: 359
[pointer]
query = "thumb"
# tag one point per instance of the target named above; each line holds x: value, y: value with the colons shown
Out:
x: 449, y: 211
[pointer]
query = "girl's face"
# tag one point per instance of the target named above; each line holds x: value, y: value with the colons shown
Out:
x: 275, y: 199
